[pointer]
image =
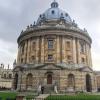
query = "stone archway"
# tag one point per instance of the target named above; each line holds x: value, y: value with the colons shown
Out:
x: 29, y: 81
x: 15, y: 81
x: 71, y: 82
x: 49, y: 79
x: 88, y: 83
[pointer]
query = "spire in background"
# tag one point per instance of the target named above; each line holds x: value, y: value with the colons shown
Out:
x: 8, y: 66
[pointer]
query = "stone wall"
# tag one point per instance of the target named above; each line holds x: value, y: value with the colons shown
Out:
x: 36, y: 50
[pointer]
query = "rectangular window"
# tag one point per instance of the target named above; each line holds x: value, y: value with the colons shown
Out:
x: 33, y: 45
x: 50, y: 44
x: 83, y: 60
x: 68, y: 45
x: 82, y: 48
x: 32, y: 59
x: 69, y: 57
x: 23, y: 47
x: 22, y: 60
x: 50, y: 57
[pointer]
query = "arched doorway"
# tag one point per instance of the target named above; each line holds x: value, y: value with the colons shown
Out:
x: 71, y: 82
x: 15, y: 81
x: 88, y: 83
x: 49, y: 79
x: 29, y: 81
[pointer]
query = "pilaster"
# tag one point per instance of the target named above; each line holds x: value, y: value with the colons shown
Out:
x: 58, y: 50
x: 37, y: 50
x: 74, y: 51
x: 42, y: 50
x: 63, y: 50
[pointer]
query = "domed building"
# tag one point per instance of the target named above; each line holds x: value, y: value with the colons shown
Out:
x: 54, y: 51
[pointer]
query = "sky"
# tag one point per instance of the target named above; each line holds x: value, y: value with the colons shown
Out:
x: 15, y: 15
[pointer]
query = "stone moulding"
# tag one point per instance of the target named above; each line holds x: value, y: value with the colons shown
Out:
x: 54, y: 31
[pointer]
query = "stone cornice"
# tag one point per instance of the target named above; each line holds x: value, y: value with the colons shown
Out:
x: 42, y: 31
x: 59, y: 65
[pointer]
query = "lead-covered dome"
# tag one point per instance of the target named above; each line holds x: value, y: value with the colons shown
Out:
x: 54, y: 13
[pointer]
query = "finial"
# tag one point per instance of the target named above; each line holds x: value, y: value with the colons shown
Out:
x: 54, y: 4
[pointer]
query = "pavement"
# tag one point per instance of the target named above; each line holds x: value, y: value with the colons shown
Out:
x: 41, y: 96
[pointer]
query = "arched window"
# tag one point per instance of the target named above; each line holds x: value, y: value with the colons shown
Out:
x: 10, y: 76
x: 49, y: 79
x: 29, y: 81
x: 71, y: 81
x: 5, y: 76
x: 88, y: 83
x: 15, y: 81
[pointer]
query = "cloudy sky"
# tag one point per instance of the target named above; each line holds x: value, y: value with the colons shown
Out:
x: 15, y: 15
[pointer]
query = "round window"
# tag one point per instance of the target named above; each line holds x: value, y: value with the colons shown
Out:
x: 53, y: 11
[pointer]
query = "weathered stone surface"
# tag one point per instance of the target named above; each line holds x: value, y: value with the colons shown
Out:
x: 52, y: 53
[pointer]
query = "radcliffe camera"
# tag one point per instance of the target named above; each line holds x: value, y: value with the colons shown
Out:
x: 56, y: 59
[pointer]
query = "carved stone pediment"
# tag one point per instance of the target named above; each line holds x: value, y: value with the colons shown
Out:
x: 49, y: 66
x: 86, y: 69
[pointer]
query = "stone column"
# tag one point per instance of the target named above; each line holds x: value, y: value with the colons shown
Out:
x: 60, y: 39
x: 23, y: 83
x: 19, y: 54
x: 42, y: 50
x: 28, y: 50
x: 37, y: 50
x: 19, y: 81
x: 90, y: 57
x: 74, y: 51
x: 87, y: 54
x: 63, y: 50
x: 58, y: 50
x: 78, y: 52
x: 25, y: 52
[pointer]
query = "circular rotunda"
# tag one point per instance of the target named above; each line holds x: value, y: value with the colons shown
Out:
x: 54, y: 51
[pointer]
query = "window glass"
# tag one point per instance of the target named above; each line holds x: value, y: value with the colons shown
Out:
x: 50, y: 44
x: 50, y: 57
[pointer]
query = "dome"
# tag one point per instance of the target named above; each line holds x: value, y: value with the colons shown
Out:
x: 54, y: 13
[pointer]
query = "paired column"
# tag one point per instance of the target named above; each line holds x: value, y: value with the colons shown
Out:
x: 42, y: 50
x: 19, y: 54
x: 28, y: 50
x: 78, y: 51
x: 74, y: 51
x: 37, y: 50
x: 25, y: 52
x: 63, y: 50
x: 58, y: 50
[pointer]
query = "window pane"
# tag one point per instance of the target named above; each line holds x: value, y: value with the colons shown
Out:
x: 50, y: 57
x: 50, y: 44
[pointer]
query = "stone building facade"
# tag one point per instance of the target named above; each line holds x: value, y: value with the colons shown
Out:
x: 98, y: 80
x: 54, y: 51
x: 6, y: 78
